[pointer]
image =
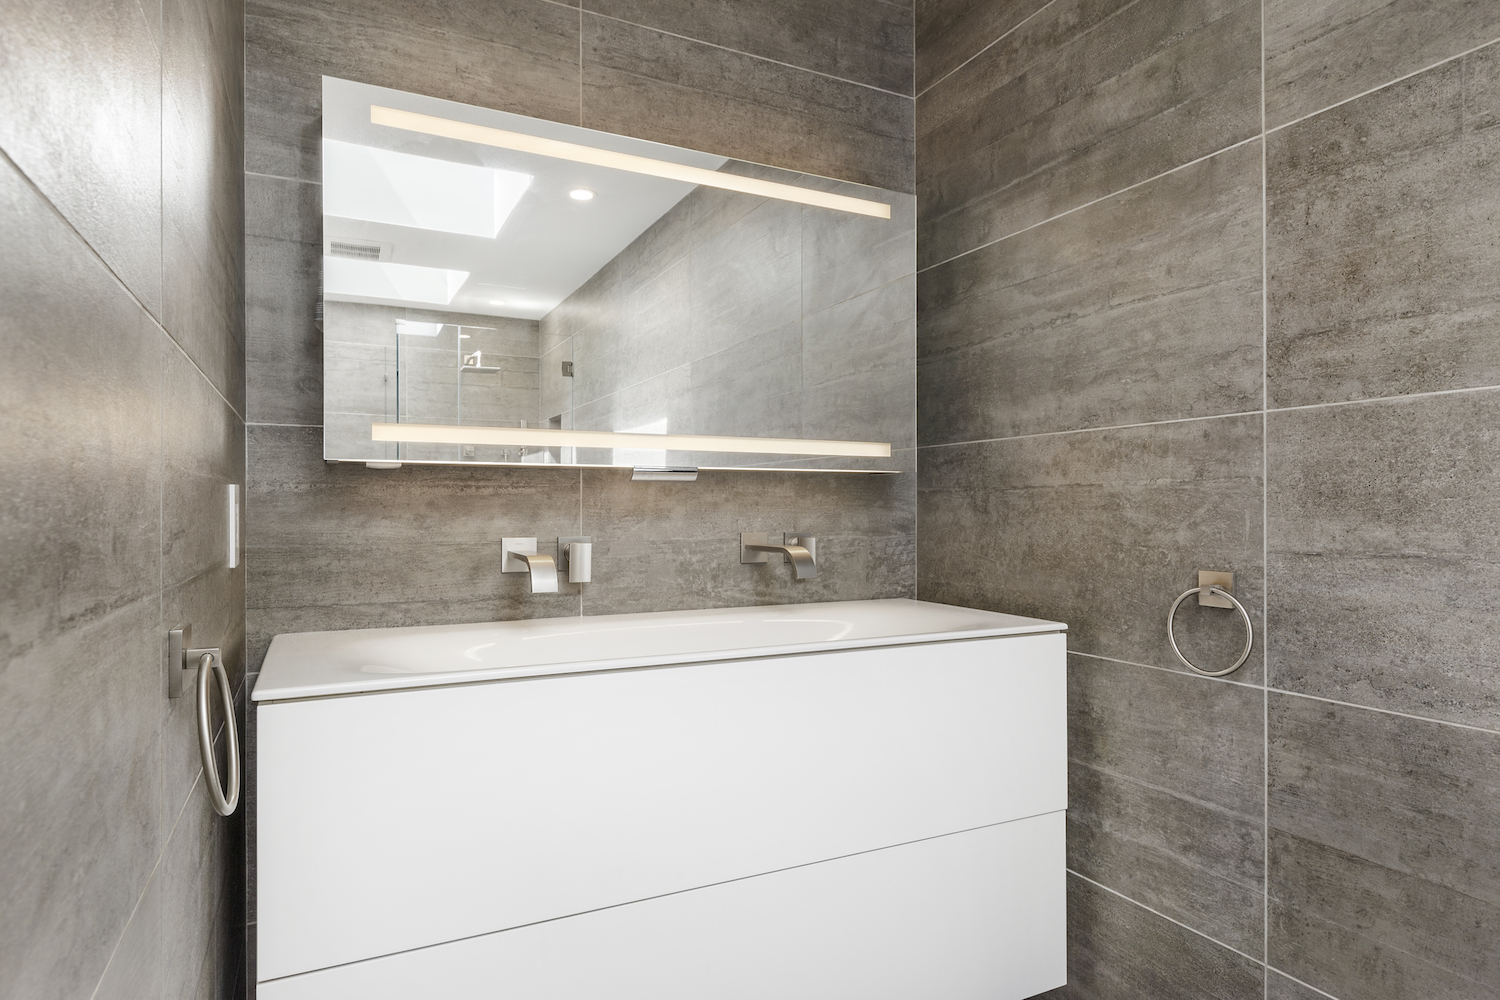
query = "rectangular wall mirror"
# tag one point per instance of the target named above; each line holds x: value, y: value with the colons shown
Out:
x: 499, y: 289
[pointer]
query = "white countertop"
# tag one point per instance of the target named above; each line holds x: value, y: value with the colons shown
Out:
x: 317, y: 664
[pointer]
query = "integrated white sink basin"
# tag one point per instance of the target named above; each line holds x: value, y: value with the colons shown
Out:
x: 315, y: 664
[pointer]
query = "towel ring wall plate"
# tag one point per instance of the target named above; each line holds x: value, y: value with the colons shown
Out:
x: 1212, y: 591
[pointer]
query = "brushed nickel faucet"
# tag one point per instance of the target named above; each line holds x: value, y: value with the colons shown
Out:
x: 798, y: 549
x: 519, y: 555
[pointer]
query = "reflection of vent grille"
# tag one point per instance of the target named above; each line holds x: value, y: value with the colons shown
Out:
x: 354, y: 251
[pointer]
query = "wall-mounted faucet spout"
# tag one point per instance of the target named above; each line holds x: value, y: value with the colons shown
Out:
x: 519, y: 555
x: 800, y: 550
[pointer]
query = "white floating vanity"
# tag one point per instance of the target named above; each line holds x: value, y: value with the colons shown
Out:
x: 859, y: 800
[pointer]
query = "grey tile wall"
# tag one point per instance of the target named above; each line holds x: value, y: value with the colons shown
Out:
x: 121, y: 318
x: 1109, y: 397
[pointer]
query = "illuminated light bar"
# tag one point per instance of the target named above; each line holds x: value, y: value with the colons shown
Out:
x: 539, y: 437
x: 558, y: 149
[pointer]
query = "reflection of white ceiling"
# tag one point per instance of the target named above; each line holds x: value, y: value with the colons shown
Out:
x: 378, y: 185
x: 548, y: 246
x: 389, y: 283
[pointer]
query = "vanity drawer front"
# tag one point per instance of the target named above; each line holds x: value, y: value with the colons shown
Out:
x: 399, y: 820
x: 970, y: 916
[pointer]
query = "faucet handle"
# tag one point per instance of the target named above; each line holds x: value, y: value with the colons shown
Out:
x: 575, y: 557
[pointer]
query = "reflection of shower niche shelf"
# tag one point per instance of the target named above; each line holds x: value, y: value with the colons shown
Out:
x: 475, y: 363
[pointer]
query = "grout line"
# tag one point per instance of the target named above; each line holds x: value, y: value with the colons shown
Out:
x: 1386, y: 711
x: 1383, y: 399
x: 1383, y: 86
x: 1217, y: 416
x: 1087, y: 204
x: 264, y: 423
x: 1179, y: 923
x: 1272, y: 968
x: 749, y: 55
x: 1087, y: 430
x: 1002, y: 37
x: 282, y: 177
x: 580, y: 64
x: 150, y: 316
x: 1167, y: 670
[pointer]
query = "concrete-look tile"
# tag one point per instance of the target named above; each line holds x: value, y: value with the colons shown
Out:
x: 951, y: 32
x: 135, y: 968
x: 665, y: 546
x: 1381, y: 244
x: 844, y: 255
x: 1085, y: 99
x: 203, y: 451
x: 520, y: 56
x: 80, y: 663
x: 1384, y: 874
x: 197, y: 875
x: 1383, y: 537
x: 859, y: 368
x: 1142, y: 307
x: 646, y: 83
x: 1318, y: 54
x: 1120, y: 951
x: 283, y: 273
x: 747, y: 278
x: 1170, y: 815
x: 1279, y: 987
x: 866, y: 41
x: 343, y: 546
x: 81, y: 85
x: 203, y: 210
x: 1102, y: 530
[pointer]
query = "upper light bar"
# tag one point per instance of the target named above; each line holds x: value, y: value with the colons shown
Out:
x: 558, y: 149
x: 540, y: 437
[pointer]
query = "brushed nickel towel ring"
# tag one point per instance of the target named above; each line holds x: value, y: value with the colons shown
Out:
x: 180, y: 661
x: 224, y: 801
x: 1216, y: 594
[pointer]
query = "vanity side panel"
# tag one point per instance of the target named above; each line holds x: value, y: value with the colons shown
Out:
x: 405, y: 819
x: 971, y: 916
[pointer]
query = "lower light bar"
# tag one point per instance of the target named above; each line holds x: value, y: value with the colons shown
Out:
x: 484, y: 135
x: 538, y: 437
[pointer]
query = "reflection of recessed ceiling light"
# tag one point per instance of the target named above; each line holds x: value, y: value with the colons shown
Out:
x: 581, y: 194
x: 497, y: 302
x: 463, y: 336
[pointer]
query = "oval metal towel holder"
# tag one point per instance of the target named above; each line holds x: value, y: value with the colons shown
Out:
x: 207, y: 660
x: 1212, y: 594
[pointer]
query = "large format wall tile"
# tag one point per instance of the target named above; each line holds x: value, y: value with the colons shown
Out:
x: 80, y: 662
x: 1323, y: 52
x: 951, y: 32
x: 1145, y: 306
x: 203, y: 219
x: 1101, y: 530
x: 1383, y: 531
x: 1087, y: 98
x: 81, y: 88
x: 1279, y: 987
x: 663, y: 546
x: 1169, y: 815
x: 520, y: 56
x: 866, y: 41
x: 1384, y: 873
x: 343, y: 546
x: 203, y: 451
x: 647, y: 83
x: 1381, y: 241
x: 283, y: 276
x: 1120, y: 951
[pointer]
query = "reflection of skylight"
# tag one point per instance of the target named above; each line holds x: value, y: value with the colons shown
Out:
x: 408, y: 328
x: 378, y: 279
x: 379, y: 185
